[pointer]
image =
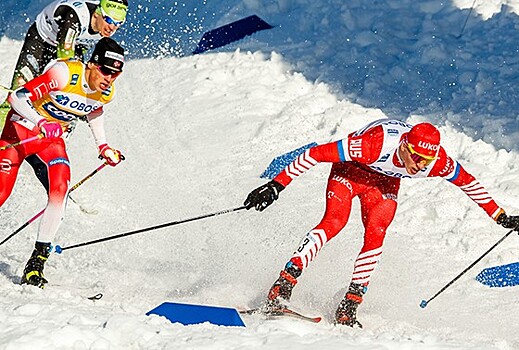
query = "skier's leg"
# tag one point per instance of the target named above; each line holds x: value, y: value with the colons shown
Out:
x: 34, y: 56
x: 9, y: 166
x: 58, y: 169
x: 378, y: 210
x: 10, y: 159
x: 339, y: 195
x: 40, y: 170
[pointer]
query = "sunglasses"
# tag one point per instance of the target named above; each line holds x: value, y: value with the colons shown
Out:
x: 109, y: 19
x: 108, y: 72
x: 419, y: 158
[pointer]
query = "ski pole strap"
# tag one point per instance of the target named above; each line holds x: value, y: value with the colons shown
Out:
x: 30, y: 139
x: 425, y: 302
x: 59, y: 249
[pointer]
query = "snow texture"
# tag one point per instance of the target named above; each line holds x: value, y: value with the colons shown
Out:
x: 197, y: 132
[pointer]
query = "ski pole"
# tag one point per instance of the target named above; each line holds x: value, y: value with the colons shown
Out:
x: 84, y: 179
x: 30, y: 139
x: 19, y: 229
x: 424, y: 303
x: 21, y: 142
x: 5, y: 88
x: 466, y: 20
x: 82, y: 207
x: 59, y: 249
x: 95, y: 171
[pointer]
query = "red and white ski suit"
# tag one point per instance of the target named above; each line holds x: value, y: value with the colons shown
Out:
x: 61, y: 94
x: 367, y: 165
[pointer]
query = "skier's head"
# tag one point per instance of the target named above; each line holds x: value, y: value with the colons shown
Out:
x: 424, y: 140
x: 113, y: 11
x: 419, y: 147
x: 105, y: 65
x: 109, y: 16
x: 109, y: 55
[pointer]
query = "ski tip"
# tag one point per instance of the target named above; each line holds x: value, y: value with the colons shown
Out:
x: 423, y: 304
x: 58, y: 249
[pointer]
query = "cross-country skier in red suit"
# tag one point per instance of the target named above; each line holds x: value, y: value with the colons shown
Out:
x: 45, y: 106
x: 63, y: 29
x: 368, y: 164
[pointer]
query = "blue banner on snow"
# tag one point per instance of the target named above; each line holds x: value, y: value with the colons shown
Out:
x: 500, y: 276
x: 187, y: 314
x: 280, y: 162
x: 231, y: 32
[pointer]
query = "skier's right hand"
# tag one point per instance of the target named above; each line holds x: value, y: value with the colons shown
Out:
x: 263, y: 196
x: 111, y: 155
x: 50, y: 130
x: 508, y: 221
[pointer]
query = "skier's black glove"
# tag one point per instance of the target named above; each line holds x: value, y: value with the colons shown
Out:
x: 263, y: 196
x: 508, y: 221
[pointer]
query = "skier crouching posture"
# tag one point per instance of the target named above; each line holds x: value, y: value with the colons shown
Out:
x: 369, y: 163
x: 45, y: 106
x: 63, y: 29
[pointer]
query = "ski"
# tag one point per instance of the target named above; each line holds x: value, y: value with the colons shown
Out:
x: 279, y: 313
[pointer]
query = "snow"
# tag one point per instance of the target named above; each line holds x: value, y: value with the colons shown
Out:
x: 198, y: 130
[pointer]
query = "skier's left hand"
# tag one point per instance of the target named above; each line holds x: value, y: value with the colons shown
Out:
x: 111, y: 155
x: 263, y: 196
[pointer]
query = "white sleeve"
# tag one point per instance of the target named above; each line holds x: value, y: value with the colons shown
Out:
x: 96, y: 123
x: 21, y: 103
x: 54, y: 78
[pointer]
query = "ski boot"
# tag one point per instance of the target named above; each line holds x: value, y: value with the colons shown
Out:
x: 33, y: 272
x: 281, y: 291
x: 346, y: 313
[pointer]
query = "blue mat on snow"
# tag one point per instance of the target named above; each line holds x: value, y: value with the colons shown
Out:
x: 500, y: 276
x: 280, y: 162
x: 231, y: 32
x: 193, y: 314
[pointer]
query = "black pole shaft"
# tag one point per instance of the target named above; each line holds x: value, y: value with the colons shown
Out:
x: 30, y: 221
x: 18, y: 230
x: 471, y: 265
x: 152, y: 228
x: 466, y: 20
